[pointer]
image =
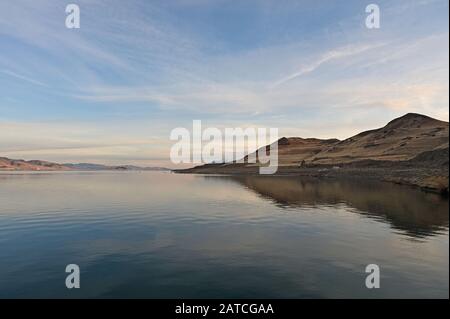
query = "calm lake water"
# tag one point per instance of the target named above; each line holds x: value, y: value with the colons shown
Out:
x: 159, y: 235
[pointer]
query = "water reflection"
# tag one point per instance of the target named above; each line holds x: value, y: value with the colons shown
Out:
x: 412, y: 211
x: 159, y: 235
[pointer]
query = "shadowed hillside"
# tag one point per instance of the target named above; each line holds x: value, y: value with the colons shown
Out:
x: 401, y: 139
x: 412, y: 150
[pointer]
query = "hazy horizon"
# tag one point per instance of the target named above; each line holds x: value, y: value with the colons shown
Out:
x: 164, y: 164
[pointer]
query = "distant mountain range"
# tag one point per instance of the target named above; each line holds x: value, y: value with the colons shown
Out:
x: 7, y: 164
x: 99, y: 167
x: 412, y: 149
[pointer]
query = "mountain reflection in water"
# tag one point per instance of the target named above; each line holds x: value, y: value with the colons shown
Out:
x: 410, y: 210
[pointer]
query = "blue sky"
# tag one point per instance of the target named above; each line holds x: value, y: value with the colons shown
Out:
x: 111, y: 91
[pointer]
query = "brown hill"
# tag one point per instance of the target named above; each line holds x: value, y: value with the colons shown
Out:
x: 295, y: 150
x: 7, y: 164
x: 412, y: 150
x: 401, y: 139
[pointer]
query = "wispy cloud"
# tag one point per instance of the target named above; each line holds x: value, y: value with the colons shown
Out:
x: 23, y: 78
x: 300, y: 66
x: 334, y: 54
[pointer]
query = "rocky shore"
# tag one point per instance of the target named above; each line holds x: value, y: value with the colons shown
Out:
x: 410, y: 150
x: 428, y: 179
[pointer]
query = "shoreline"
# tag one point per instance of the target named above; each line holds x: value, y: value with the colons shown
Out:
x: 433, y: 180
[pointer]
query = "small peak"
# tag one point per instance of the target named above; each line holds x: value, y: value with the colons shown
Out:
x: 415, y: 115
x: 283, y: 141
x: 410, y: 117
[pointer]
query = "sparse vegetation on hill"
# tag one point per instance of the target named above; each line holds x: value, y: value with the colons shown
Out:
x: 412, y: 149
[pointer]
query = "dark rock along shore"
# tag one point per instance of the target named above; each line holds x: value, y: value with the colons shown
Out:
x: 410, y: 150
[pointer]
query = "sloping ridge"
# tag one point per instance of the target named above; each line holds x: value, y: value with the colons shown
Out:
x: 294, y: 150
x: 401, y: 139
x: 33, y: 165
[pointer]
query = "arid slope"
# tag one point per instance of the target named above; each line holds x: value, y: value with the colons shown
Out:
x: 412, y: 149
x: 401, y: 139
x: 7, y: 164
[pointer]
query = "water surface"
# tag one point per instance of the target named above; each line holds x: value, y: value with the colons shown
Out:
x: 162, y: 235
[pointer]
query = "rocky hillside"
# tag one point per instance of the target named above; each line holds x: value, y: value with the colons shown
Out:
x: 294, y: 150
x: 412, y: 150
x: 400, y: 140
x: 7, y: 164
